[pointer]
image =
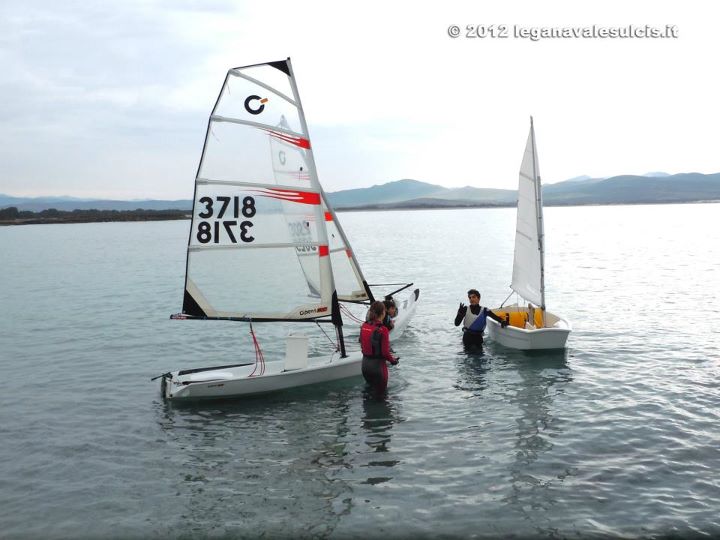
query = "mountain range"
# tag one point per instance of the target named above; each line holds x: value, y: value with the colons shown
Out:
x: 652, y: 188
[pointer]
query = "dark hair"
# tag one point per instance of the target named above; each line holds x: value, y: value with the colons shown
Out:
x: 376, y: 310
x: 389, y: 303
x: 474, y: 291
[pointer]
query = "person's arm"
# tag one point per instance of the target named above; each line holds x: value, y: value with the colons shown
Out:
x: 492, y: 315
x: 462, y: 310
x: 385, y: 345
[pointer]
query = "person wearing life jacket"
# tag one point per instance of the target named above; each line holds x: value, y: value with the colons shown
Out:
x: 375, y: 346
x: 474, y: 318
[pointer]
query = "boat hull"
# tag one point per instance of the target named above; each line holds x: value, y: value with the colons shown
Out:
x: 237, y: 382
x: 240, y: 381
x: 406, y: 310
x: 531, y: 338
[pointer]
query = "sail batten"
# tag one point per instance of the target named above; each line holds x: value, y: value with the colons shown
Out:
x: 244, y: 183
x: 276, y: 129
x: 237, y: 73
x: 258, y: 246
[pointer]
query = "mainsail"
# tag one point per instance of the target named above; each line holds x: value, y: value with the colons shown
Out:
x: 528, y: 263
x: 259, y: 247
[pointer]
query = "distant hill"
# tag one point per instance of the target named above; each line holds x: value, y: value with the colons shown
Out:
x: 402, y: 192
x: 626, y: 189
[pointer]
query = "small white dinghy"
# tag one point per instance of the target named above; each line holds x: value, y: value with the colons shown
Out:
x: 528, y: 327
x: 265, y: 244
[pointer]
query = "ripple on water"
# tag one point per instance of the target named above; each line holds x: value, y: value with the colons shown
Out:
x: 614, y: 437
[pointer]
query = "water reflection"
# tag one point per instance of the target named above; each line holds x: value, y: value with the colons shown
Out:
x: 473, y: 369
x: 268, y: 465
x: 535, y: 471
x: 379, y: 417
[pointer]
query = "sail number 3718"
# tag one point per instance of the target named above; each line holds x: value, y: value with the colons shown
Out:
x: 224, y: 229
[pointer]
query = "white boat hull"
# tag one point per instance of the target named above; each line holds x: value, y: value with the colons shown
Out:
x: 531, y: 338
x: 406, y: 310
x: 237, y: 382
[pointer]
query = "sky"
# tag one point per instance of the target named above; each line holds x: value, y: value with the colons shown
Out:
x: 111, y: 99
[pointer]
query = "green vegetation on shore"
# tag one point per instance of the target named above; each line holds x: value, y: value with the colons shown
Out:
x: 13, y: 216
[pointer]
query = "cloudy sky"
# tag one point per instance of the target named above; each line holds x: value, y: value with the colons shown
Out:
x: 110, y: 99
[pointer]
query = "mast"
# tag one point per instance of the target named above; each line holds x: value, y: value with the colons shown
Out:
x: 325, y: 264
x: 540, y: 222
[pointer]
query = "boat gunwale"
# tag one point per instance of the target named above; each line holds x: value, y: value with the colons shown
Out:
x: 340, y: 362
x: 553, y: 329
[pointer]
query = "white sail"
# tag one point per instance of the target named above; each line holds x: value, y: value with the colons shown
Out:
x: 287, y: 167
x: 527, y: 279
x: 252, y: 214
x: 349, y: 281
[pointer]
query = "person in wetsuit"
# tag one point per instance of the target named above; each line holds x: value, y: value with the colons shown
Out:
x: 375, y: 346
x: 474, y: 318
x: 390, y: 313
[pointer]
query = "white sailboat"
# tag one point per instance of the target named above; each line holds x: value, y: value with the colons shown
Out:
x: 265, y: 245
x: 529, y: 326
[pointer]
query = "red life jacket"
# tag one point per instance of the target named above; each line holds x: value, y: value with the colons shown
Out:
x: 371, y: 339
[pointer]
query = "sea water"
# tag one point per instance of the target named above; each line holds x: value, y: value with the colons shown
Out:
x: 616, y: 436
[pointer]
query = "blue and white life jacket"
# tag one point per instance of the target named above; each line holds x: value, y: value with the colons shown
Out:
x: 473, y: 322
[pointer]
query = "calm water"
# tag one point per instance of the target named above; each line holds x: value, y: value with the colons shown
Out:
x: 617, y: 436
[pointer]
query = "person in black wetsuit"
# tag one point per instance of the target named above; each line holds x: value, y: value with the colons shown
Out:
x: 375, y: 346
x: 390, y: 313
x: 474, y: 318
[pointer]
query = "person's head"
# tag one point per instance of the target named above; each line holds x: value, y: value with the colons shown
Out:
x: 473, y: 296
x: 376, y: 312
x: 390, y: 307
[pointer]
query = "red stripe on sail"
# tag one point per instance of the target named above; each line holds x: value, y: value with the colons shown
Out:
x: 349, y: 253
x: 328, y: 216
x: 324, y: 251
x: 297, y: 141
x: 302, y: 197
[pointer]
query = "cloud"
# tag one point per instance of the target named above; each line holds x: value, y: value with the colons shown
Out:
x: 104, y: 99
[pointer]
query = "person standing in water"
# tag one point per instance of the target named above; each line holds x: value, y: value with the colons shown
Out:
x: 474, y: 318
x: 375, y: 346
x: 390, y: 313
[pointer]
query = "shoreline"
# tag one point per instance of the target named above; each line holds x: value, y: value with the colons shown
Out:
x: 174, y: 215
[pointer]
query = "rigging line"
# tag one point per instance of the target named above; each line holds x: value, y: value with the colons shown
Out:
x: 349, y: 313
x: 335, y: 346
x: 508, y: 296
x: 259, y: 357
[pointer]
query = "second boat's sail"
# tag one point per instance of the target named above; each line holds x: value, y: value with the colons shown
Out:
x: 527, y: 279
